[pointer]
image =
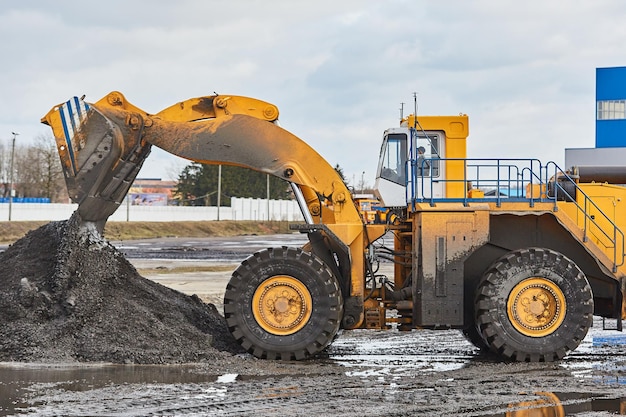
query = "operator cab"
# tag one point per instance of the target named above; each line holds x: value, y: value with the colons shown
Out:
x: 413, y: 166
x: 410, y: 166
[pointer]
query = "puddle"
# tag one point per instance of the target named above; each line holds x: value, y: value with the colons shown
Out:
x: 610, y: 340
x: 600, y: 358
x: 18, y: 382
x: 549, y: 404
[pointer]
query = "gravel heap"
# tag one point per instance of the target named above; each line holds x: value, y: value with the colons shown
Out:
x: 66, y: 294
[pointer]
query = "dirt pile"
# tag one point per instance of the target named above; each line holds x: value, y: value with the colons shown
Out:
x: 68, y: 295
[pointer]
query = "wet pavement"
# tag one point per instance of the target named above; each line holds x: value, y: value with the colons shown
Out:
x: 218, y: 249
x: 364, y: 372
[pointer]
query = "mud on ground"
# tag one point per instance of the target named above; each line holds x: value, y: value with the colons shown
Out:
x: 68, y: 295
x: 68, y: 298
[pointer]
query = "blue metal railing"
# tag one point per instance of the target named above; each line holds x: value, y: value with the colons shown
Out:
x: 40, y: 200
x: 515, y: 180
x: 499, y: 178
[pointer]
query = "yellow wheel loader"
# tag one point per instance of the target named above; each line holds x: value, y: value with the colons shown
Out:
x: 517, y: 254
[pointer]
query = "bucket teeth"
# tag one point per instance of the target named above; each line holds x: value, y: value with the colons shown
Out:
x: 100, y: 156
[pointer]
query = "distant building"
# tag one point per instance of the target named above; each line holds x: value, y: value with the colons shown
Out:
x: 610, y: 107
x: 610, y: 143
x: 151, y: 192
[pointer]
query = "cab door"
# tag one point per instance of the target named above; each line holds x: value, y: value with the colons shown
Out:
x: 404, y: 174
x: 426, y: 179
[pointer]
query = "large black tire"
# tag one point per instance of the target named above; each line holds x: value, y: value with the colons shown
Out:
x: 283, y: 303
x: 533, y: 305
x: 471, y: 332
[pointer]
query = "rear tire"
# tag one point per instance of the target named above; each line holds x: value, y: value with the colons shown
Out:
x: 283, y: 303
x: 533, y: 305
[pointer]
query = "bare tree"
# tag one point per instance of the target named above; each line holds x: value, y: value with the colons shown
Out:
x: 37, y: 170
x: 5, y: 158
x: 52, y: 183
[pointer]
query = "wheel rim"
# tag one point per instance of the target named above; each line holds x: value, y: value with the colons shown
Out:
x: 536, y: 307
x: 282, y: 305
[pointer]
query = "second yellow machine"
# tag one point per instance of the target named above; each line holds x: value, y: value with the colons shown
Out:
x: 517, y: 254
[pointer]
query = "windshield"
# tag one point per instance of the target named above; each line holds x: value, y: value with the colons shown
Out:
x: 393, y: 158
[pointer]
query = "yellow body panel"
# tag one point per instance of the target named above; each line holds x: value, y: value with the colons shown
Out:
x: 605, y: 210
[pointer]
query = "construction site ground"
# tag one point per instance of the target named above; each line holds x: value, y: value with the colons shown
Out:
x: 364, y: 372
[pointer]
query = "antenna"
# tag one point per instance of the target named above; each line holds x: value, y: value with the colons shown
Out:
x: 414, y: 109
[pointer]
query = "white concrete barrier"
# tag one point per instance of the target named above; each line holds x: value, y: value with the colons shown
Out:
x: 241, y: 209
x: 36, y: 211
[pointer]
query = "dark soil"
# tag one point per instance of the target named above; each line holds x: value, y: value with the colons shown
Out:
x: 66, y: 294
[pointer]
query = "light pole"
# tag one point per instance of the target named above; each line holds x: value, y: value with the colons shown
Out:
x: 362, y: 182
x: 219, y: 189
x: 268, y: 197
x: 11, y: 191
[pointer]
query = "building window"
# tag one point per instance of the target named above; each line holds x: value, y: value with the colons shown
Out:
x: 611, y: 109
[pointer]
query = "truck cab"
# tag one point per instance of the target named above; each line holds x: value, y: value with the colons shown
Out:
x: 415, y: 157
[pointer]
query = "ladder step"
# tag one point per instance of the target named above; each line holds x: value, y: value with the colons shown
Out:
x: 607, y: 324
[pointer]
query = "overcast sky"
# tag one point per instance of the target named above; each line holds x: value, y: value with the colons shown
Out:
x: 524, y: 71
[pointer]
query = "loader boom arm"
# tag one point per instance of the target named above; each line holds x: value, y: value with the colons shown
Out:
x: 229, y: 130
x: 103, y: 146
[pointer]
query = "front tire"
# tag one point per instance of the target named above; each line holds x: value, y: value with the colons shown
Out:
x: 283, y: 303
x: 533, y: 305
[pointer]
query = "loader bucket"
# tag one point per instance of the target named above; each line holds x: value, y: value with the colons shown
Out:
x: 100, y: 159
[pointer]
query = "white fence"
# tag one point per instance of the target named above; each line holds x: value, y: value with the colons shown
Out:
x: 240, y: 209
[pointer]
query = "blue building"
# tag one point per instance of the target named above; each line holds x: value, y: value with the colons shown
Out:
x: 610, y: 149
x: 610, y: 107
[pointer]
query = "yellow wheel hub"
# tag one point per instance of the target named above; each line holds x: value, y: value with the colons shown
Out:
x: 536, y: 307
x: 282, y: 305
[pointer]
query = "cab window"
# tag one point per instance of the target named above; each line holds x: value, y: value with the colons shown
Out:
x: 427, y: 164
x: 394, y: 158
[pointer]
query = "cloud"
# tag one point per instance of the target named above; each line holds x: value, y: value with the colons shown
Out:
x: 339, y: 71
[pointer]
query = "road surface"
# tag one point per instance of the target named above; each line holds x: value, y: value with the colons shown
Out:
x: 364, y: 372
